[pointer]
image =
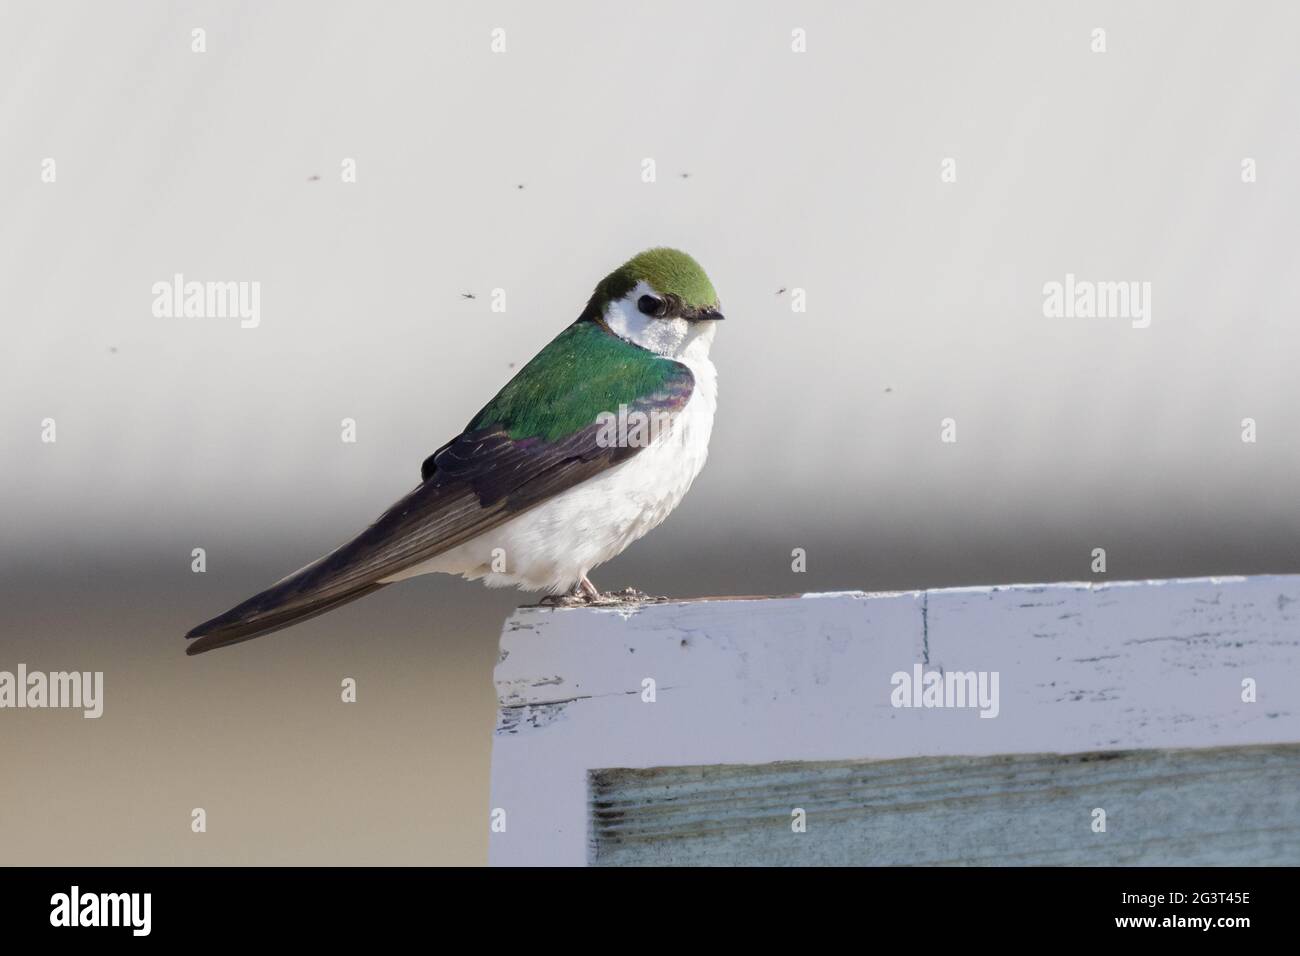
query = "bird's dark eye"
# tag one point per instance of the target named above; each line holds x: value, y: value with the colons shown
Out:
x: 652, y: 305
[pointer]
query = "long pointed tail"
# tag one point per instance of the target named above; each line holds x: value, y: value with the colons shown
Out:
x: 262, y: 614
x: 427, y: 521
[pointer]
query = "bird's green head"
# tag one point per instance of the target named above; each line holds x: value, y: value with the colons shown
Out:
x: 665, y: 283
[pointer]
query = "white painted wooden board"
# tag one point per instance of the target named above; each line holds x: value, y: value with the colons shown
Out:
x: 1082, y: 667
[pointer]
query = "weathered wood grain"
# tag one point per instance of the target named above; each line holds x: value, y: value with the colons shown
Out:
x: 1082, y: 668
x: 1232, y: 805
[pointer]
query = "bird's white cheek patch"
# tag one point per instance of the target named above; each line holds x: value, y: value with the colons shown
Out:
x: 663, y: 336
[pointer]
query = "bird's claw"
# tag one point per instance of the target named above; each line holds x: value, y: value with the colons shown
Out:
x: 580, y: 597
x: 564, y: 600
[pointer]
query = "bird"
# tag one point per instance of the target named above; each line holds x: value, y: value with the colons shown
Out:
x: 545, y: 483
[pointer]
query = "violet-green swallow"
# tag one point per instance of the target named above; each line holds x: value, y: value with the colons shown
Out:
x: 592, y: 444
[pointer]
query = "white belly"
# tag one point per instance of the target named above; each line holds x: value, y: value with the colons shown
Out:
x: 552, y: 546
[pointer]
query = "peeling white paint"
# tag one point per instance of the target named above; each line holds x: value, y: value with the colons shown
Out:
x: 1083, y: 667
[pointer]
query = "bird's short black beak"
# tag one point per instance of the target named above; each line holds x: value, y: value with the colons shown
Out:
x: 706, y: 315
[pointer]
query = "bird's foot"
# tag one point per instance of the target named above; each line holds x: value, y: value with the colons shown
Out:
x: 562, y: 600
x: 586, y: 594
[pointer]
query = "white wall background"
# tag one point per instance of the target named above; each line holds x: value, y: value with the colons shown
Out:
x: 818, y: 170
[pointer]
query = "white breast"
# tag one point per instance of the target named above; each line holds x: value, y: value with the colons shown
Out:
x: 552, y: 546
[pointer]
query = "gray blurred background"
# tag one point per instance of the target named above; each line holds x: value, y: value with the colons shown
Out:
x: 776, y: 170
